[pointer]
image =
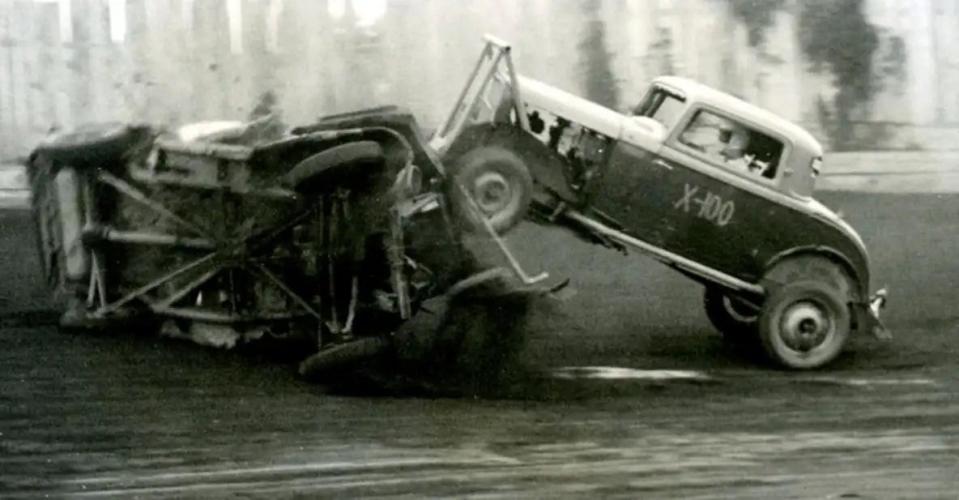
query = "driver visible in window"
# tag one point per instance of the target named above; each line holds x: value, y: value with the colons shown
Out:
x: 723, y: 140
x: 735, y: 140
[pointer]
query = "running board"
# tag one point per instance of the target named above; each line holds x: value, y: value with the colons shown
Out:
x: 670, y: 258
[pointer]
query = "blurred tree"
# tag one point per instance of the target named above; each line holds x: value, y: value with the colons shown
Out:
x: 836, y: 37
x: 757, y: 15
x: 892, y: 63
x: 595, y: 60
x: 659, y: 57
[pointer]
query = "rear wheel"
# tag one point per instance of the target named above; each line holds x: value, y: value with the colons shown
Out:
x: 337, y: 166
x: 92, y: 144
x: 343, y: 356
x: 499, y: 184
x: 733, y: 317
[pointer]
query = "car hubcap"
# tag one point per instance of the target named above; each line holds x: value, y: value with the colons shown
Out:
x: 492, y: 192
x: 805, y: 326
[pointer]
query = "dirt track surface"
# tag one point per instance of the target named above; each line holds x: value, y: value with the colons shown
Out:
x: 124, y: 415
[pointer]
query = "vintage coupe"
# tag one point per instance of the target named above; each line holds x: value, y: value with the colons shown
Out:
x: 712, y: 186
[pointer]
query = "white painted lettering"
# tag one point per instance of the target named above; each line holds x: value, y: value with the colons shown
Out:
x: 711, y: 206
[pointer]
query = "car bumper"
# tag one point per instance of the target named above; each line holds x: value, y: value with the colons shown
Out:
x: 872, y: 323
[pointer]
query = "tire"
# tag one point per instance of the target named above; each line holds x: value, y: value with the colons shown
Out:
x: 88, y: 145
x: 43, y: 212
x: 804, y: 325
x: 76, y: 319
x: 498, y: 181
x: 331, y: 167
x: 735, y: 320
x: 343, y: 356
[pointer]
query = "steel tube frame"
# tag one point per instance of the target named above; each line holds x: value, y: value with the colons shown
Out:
x: 665, y: 256
x: 138, y: 196
x: 159, y: 239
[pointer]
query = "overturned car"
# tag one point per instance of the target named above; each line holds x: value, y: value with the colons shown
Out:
x: 330, y: 236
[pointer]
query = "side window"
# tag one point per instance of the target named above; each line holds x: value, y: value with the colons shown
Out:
x: 733, y: 145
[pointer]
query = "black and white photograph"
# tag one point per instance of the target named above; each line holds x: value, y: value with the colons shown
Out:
x: 637, y: 249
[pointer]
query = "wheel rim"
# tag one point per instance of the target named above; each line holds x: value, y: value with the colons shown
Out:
x: 806, y: 326
x: 492, y: 192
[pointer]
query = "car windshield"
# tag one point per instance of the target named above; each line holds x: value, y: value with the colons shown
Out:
x: 662, y: 106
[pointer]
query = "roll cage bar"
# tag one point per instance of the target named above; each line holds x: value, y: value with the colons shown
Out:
x: 495, y: 53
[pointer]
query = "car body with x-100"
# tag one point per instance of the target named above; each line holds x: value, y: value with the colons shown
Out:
x: 714, y: 187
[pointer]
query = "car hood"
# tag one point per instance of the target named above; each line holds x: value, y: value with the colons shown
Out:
x: 639, y: 131
x: 572, y: 107
x: 825, y: 213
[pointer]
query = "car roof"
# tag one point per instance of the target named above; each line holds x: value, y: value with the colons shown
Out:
x: 698, y: 92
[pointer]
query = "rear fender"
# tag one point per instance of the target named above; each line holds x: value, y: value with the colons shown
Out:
x: 393, y: 118
x: 292, y: 150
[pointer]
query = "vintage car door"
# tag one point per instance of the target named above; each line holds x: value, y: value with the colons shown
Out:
x: 634, y: 189
x: 632, y: 192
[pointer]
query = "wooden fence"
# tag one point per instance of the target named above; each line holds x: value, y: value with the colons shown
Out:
x: 64, y: 62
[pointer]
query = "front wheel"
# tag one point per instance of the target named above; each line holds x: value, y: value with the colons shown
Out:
x: 804, y: 325
x: 498, y: 184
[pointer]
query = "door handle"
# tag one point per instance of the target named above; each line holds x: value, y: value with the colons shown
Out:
x: 662, y: 163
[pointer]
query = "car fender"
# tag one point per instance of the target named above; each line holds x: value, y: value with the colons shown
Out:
x: 294, y: 149
x: 545, y: 165
x: 858, y: 274
x: 865, y: 319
